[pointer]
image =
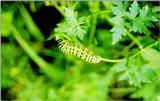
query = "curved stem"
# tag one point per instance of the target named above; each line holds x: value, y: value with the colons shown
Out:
x: 30, y: 24
x: 110, y: 60
x: 32, y: 54
x: 56, y: 74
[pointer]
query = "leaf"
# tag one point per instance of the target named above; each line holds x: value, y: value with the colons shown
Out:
x: 116, y: 11
x: 120, y: 8
x: 133, y: 80
x: 143, y: 11
x: 147, y: 16
x: 152, y: 56
x: 134, y: 76
x: 134, y: 10
x: 149, y: 72
x: 144, y: 20
x: 72, y: 26
x: 124, y: 76
x: 70, y: 16
x: 65, y: 28
x: 118, y: 31
x: 121, y: 66
x: 139, y: 26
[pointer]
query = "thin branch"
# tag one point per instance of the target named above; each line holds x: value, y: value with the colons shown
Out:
x: 135, y: 40
x: 37, y: 59
x: 58, y: 8
x: 149, y: 46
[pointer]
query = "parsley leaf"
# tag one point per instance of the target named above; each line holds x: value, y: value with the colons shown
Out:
x: 118, y: 31
x: 121, y: 66
x: 134, y: 76
x: 144, y: 20
x: 139, y: 26
x: 152, y: 56
x: 134, y: 10
x: 72, y: 25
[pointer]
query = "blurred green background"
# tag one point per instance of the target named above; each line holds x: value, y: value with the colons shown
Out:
x: 34, y: 69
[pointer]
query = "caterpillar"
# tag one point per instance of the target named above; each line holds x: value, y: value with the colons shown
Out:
x: 78, y: 50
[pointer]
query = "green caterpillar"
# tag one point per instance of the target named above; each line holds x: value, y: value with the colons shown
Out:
x: 78, y: 50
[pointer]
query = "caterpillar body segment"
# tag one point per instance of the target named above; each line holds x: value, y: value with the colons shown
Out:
x: 78, y: 50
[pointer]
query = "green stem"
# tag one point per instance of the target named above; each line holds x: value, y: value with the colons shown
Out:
x: 149, y: 46
x: 58, y: 8
x: 152, y: 45
x: 119, y: 60
x: 37, y: 59
x: 29, y: 23
x: 102, y: 12
x: 110, y: 60
x: 93, y: 30
x: 135, y: 40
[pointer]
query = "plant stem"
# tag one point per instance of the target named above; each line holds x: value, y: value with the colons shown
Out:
x: 135, y: 40
x: 37, y: 59
x: 109, y: 60
x: 119, y: 60
x: 58, y: 8
x: 149, y: 46
x: 93, y: 30
x: 152, y: 45
x: 102, y: 12
x: 29, y: 23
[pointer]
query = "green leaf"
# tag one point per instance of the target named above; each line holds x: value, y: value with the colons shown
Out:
x: 134, y: 76
x: 147, y: 16
x: 65, y: 28
x: 120, y: 8
x: 118, y: 31
x: 149, y: 72
x: 72, y: 26
x: 133, y: 80
x: 144, y: 20
x: 134, y: 10
x: 121, y: 66
x: 70, y: 16
x: 124, y: 76
x: 152, y: 56
x: 143, y: 11
x: 139, y: 26
x: 116, y: 11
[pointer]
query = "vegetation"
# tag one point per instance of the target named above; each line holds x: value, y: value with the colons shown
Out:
x: 80, y: 51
